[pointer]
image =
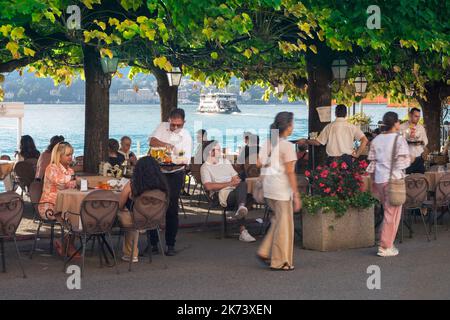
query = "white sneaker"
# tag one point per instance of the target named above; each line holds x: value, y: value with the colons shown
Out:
x: 246, y: 237
x: 241, y: 212
x: 127, y: 259
x: 390, y: 252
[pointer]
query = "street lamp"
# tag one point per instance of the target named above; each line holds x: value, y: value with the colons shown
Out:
x: 339, y: 68
x: 360, y: 84
x: 109, y: 65
x: 174, y: 77
x: 410, y: 91
x: 279, y: 88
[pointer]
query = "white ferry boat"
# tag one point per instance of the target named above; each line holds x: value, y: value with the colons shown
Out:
x: 218, y: 103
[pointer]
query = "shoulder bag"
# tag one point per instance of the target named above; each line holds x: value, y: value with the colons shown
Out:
x: 396, y: 187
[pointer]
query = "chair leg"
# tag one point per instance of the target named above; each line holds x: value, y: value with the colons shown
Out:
x: 207, y: 216
x: 149, y: 247
x: 18, y: 257
x: 161, y: 247
x: 182, y: 208
x: 83, y: 254
x: 33, y: 248
x: 2, y: 251
x: 93, y: 245
x: 112, y: 252
x: 425, y: 225
x: 224, y: 226
x: 193, y: 193
x: 435, y: 225
x: 118, y: 239
x: 101, y: 251
x: 52, y: 238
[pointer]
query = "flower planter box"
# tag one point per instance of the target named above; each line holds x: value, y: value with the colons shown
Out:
x: 326, y: 232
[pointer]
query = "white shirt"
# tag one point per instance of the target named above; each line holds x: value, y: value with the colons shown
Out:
x: 415, y: 150
x: 276, y: 183
x: 380, y: 155
x: 339, y: 137
x: 182, y: 140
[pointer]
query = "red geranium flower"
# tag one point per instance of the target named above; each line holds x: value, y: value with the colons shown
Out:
x: 327, y: 190
x: 307, y: 173
x: 324, y: 174
x: 344, y: 165
x: 334, y: 165
x: 321, y: 185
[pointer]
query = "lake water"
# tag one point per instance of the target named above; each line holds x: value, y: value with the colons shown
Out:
x: 138, y: 121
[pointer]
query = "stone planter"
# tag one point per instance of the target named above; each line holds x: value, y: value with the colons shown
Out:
x: 326, y: 232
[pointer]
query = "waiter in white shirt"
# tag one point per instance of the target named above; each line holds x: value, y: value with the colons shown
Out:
x: 416, y: 136
x: 172, y: 135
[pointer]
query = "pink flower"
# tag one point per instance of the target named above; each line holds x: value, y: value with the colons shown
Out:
x: 334, y: 165
x: 327, y: 190
x: 339, y: 189
x: 321, y: 185
x: 324, y: 174
x: 344, y: 165
x: 319, y: 168
x: 307, y: 173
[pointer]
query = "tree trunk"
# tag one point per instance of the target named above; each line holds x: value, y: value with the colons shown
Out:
x: 96, y: 130
x: 168, y: 95
x: 432, y: 110
x: 319, y: 94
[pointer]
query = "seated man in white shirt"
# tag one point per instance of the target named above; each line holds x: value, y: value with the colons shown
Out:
x: 222, y: 181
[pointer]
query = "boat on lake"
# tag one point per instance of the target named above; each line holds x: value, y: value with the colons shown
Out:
x: 218, y: 103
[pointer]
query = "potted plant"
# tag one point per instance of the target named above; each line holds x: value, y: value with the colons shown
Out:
x: 360, y: 119
x: 339, y: 214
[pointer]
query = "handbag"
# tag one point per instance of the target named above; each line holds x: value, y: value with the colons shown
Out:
x: 396, y: 187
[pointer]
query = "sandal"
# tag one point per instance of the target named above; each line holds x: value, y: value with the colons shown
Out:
x: 285, y: 267
x: 265, y: 261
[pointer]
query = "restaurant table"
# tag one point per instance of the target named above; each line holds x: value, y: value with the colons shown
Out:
x: 94, y: 181
x: 70, y: 200
x: 6, y: 167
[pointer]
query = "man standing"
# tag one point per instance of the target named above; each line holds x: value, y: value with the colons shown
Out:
x: 339, y: 137
x: 416, y: 136
x: 173, y: 136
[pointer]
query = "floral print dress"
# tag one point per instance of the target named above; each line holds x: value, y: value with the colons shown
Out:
x: 56, y: 178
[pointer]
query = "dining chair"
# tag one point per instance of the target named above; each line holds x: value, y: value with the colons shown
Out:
x: 148, y: 213
x: 416, y: 200
x: 441, y: 200
x: 11, y: 211
x: 97, y: 216
x: 35, y: 197
x: 24, y: 173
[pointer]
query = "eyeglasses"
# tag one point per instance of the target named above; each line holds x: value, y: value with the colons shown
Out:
x: 174, y: 125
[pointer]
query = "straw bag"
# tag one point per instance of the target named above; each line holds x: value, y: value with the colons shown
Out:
x: 396, y: 187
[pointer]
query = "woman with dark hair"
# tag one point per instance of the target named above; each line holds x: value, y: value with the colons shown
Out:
x: 380, y: 155
x: 146, y: 176
x: 46, y: 156
x: 27, y: 151
x: 277, y: 159
x: 115, y: 158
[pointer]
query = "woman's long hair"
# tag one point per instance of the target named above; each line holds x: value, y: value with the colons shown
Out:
x: 62, y: 148
x: 28, y: 148
x: 281, y: 123
x: 147, y: 176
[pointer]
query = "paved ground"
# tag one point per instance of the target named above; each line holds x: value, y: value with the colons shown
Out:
x: 210, y: 268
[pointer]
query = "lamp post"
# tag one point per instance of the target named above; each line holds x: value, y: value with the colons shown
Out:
x: 174, y: 77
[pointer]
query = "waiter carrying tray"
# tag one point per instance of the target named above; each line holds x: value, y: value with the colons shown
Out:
x: 173, y: 136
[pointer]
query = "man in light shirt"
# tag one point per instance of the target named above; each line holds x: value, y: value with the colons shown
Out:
x: 224, y: 185
x: 417, y: 139
x: 172, y: 135
x: 339, y: 137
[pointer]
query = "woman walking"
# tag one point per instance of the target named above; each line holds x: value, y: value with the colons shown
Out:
x: 277, y: 159
x: 384, y: 166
